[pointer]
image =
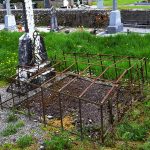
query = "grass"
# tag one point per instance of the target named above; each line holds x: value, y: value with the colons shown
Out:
x: 25, y: 141
x: 131, y: 44
x: 120, y: 2
x: 12, y: 128
x: 12, y: 117
x: 58, y: 142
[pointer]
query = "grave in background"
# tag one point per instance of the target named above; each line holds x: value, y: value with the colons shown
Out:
x: 10, y: 22
x: 115, y: 24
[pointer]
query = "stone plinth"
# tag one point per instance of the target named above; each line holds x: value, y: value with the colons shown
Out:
x: 115, y: 24
x: 10, y: 22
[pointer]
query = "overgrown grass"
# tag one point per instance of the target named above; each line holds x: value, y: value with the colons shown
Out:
x: 12, y: 128
x: 131, y: 44
x: 136, y: 124
x: 58, y: 142
x: 24, y: 141
x: 12, y: 117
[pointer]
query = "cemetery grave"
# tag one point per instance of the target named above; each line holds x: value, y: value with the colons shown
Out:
x: 95, y: 96
x: 85, y: 94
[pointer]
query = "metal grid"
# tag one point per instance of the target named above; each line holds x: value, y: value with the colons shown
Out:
x: 92, y: 88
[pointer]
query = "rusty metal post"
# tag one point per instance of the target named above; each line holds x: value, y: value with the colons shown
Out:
x: 145, y: 68
x: 28, y: 104
x: 138, y: 76
x: 12, y: 93
x: 114, y: 59
x: 43, y: 106
x: 102, y: 124
x: 80, y: 115
x: 117, y: 101
x: 101, y: 62
x: 110, y: 112
x: 129, y: 59
x: 142, y: 73
x: 1, y: 102
x: 89, y: 64
x: 60, y: 110
x: 76, y: 62
x: 64, y: 59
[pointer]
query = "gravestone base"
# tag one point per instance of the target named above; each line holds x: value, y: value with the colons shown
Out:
x: 115, y: 24
x: 10, y: 22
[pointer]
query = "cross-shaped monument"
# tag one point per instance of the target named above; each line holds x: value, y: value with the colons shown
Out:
x: 32, y: 51
x: 10, y: 22
x: 115, y: 24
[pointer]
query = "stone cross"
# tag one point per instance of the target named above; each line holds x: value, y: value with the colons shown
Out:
x: 29, y: 17
x: 8, y: 7
x: 114, y: 5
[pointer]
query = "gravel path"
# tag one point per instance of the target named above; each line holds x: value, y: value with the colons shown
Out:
x: 30, y: 128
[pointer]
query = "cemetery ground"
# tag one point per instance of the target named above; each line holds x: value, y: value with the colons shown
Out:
x: 131, y: 133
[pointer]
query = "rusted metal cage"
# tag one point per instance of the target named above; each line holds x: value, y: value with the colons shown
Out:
x: 95, y: 90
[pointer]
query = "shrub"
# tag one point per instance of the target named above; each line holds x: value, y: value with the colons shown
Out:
x: 58, y: 142
x: 132, y: 131
x: 12, y: 128
x: 12, y: 117
x: 20, y: 124
x: 145, y: 146
x: 9, y: 130
x: 25, y: 141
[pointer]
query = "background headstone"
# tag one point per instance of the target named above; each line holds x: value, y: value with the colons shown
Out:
x: 100, y: 4
x: 115, y: 24
x: 10, y: 22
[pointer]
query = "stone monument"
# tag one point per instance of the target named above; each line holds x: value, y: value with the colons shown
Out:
x: 53, y: 21
x: 115, y: 24
x: 65, y: 3
x: 33, y: 57
x: 10, y: 22
x: 100, y: 4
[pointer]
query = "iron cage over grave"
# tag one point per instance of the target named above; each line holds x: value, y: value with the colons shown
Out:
x: 94, y: 90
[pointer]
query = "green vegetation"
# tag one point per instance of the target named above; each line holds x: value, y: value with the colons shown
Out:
x: 12, y: 117
x: 131, y: 44
x: 120, y: 2
x: 25, y: 141
x: 58, y: 142
x: 12, y: 128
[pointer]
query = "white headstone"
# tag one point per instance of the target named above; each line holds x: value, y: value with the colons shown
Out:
x: 10, y: 22
x: 115, y: 24
x: 65, y: 3
x: 100, y: 4
x: 30, y: 17
x: 8, y: 7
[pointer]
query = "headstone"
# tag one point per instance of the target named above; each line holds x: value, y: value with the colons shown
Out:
x: 115, y: 24
x: 53, y: 21
x: 31, y: 45
x: 65, y: 3
x: 100, y: 4
x: 47, y: 4
x: 10, y: 22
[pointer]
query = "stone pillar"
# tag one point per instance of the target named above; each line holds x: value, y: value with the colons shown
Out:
x: 10, y: 22
x: 100, y: 4
x: 115, y: 24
